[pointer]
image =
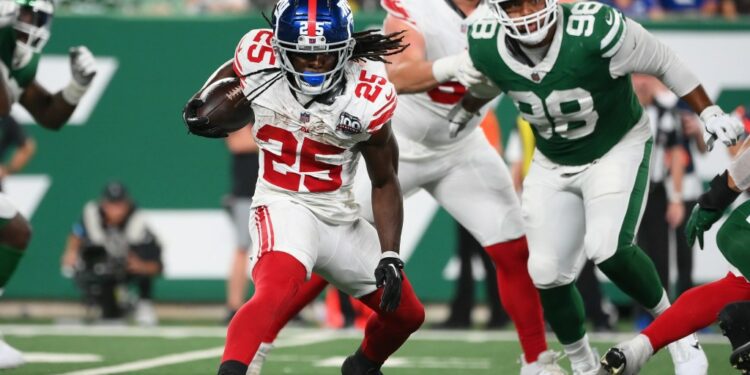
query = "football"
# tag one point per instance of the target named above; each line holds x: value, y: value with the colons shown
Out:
x: 225, y: 105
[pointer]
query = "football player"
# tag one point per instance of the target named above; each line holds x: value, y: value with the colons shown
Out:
x: 24, y: 30
x: 698, y: 307
x: 567, y: 68
x: 321, y: 99
x: 463, y: 173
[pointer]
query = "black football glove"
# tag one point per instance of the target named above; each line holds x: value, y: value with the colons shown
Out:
x: 388, y: 276
x: 199, y: 125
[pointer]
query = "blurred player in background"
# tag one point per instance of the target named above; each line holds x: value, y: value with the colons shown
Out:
x: 244, y: 175
x: 111, y: 247
x: 320, y: 99
x: 24, y: 30
x: 462, y: 172
x: 699, y: 307
x: 567, y: 68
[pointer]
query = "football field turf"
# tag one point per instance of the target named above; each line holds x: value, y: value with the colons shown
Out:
x: 82, y: 350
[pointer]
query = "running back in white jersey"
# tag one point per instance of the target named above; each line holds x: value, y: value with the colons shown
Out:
x: 308, y: 155
x: 422, y: 117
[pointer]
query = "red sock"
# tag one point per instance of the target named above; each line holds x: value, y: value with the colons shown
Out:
x: 386, y: 332
x: 305, y: 295
x: 696, y: 309
x: 519, y: 296
x: 278, y: 276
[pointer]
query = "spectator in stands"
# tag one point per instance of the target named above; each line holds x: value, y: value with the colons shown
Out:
x: 638, y: 9
x: 701, y: 8
x: 109, y: 248
x: 16, y: 149
x: 733, y: 8
x: 244, y: 174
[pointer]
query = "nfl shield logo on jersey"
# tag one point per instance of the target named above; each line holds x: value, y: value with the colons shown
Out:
x: 304, y: 117
x: 349, y: 124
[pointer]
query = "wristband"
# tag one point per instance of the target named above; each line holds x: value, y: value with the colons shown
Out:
x: 719, y: 196
x: 390, y: 254
x: 73, y: 92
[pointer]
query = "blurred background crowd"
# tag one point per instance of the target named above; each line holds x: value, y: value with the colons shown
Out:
x: 637, y: 9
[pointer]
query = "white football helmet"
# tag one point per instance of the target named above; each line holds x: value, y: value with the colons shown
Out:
x: 519, y: 28
x: 34, y: 23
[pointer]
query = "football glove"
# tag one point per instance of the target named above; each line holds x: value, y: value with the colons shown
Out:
x: 199, y: 125
x: 388, y: 276
x: 466, y: 74
x: 458, y: 117
x: 83, y: 70
x: 720, y: 126
x: 700, y: 220
x: 710, y: 208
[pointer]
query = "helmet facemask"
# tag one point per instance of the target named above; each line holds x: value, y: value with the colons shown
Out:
x: 33, y: 24
x: 309, y: 82
x: 519, y: 27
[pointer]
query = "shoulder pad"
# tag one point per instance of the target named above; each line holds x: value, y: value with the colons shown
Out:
x: 254, y: 53
x: 376, y: 92
x: 602, y: 26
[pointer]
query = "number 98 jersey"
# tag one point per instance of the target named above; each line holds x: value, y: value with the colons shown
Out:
x: 578, y: 111
x: 308, y: 153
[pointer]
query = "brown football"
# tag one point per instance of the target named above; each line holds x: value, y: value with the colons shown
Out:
x: 225, y: 105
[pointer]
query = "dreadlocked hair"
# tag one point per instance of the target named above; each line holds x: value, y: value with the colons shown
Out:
x: 374, y: 46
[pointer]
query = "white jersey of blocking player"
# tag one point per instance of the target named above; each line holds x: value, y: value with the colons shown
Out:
x: 420, y: 122
x: 307, y: 154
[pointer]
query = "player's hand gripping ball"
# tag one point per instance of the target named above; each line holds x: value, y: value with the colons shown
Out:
x: 218, y: 110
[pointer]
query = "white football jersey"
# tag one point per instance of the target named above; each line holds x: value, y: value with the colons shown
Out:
x: 308, y: 154
x: 420, y: 122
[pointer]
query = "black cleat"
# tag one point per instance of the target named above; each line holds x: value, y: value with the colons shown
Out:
x: 232, y: 367
x: 735, y: 325
x: 358, y: 364
x: 614, y: 361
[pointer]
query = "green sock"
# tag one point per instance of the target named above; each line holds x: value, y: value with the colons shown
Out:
x: 563, y: 309
x: 9, y: 259
x: 733, y: 238
x: 634, y: 272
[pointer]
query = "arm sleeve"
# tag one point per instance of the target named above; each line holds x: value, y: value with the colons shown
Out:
x: 641, y: 52
x: 740, y: 170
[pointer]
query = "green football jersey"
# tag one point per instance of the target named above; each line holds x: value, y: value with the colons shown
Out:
x: 578, y: 111
x: 23, y: 76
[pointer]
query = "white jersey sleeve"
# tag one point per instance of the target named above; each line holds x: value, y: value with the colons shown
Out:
x: 421, y: 120
x: 255, y: 62
x: 641, y: 52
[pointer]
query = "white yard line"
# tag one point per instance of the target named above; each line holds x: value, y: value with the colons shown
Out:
x: 41, y: 357
x: 300, y: 340
x: 220, y: 332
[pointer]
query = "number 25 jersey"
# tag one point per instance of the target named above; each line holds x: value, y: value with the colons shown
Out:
x: 308, y: 154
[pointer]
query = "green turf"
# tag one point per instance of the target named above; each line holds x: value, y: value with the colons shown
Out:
x: 448, y: 355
